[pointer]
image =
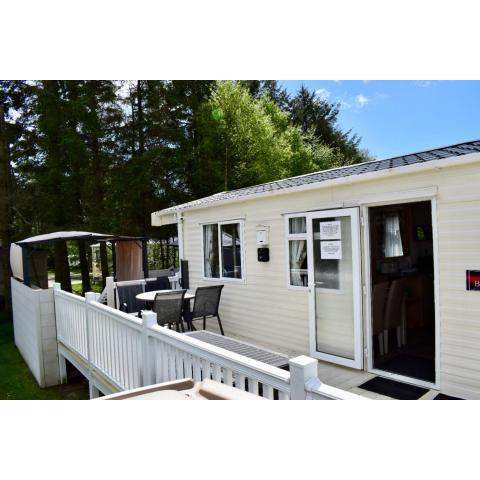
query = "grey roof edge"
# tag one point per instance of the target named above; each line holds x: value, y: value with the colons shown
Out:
x: 243, y: 193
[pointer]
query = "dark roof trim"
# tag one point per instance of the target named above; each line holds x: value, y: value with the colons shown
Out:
x: 70, y: 235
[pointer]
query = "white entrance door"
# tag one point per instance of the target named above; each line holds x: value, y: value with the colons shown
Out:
x: 335, y: 286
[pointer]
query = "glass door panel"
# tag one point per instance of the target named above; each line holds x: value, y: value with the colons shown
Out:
x: 334, y: 270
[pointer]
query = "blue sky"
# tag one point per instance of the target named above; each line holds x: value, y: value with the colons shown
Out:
x: 400, y: 117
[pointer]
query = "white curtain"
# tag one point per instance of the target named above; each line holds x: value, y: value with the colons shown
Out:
x: 298, y: 253
x: 298, y: 225
x: 392, y: 242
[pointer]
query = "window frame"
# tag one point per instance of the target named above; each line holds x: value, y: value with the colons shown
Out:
x: 294, y: 236
x: 221, y: 278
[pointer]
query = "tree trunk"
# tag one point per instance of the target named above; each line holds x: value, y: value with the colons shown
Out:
x: 62, y: 268
x: 104, y: 262
x: 162, y: 254
x: 5, y: 208
x: 82, y: 251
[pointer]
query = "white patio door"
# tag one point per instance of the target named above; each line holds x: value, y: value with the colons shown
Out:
x: 335, y: 286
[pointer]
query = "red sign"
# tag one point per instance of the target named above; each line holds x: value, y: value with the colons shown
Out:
x: 473, y: 280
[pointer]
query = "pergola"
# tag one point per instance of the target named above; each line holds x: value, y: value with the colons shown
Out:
x: 125, y: 260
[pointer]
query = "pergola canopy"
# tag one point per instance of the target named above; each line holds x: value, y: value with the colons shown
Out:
x: 129, y: 253
x: 73, y: 235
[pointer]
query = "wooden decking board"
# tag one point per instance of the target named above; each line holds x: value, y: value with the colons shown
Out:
x: 255, y: 353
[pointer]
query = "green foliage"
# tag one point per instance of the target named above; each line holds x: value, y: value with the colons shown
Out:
x: 247, y: 141
x: 16, y: 381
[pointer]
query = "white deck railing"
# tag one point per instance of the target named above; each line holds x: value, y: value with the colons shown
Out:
x: 71, y: 329
x: 130, y: 352
x: 175, y: 356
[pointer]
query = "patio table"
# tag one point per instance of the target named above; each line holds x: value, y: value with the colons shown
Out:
x: 242, y: 348
x: 150, y: 296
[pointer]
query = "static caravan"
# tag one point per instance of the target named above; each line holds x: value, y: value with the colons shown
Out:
x: 374, y: 266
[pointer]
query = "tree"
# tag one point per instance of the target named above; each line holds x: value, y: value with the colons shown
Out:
x: 317, y: 118
x: 247, y: 141
x: 270, y: 88
x: 12, y: 98
x: 5, y: 201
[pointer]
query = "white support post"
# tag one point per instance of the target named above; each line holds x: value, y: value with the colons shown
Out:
x: 110, y: 286
x: 148, y: 320
x: 180, y: 246
x: 62, y: 367
x: 89, y: 297
x: 302, y: 368
x: 94, y: 391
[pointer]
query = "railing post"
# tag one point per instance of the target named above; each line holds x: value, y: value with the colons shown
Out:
x: 58, y: 326
x: 89, y: 297
x: 302, y: 368
x: 110, y: 292
x: 148, y: 320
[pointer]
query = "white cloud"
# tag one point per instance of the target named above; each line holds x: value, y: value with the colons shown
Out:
x: 344, y: 104
x: 322, y: 94
x: 424, y: 83
x: 361, y: 100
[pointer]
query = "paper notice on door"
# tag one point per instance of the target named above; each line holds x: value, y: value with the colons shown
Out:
x: 330, y: 230
x: 331, y: 250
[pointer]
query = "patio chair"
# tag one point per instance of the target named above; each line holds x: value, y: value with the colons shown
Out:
x: 127, y: 301
x: 160, y: 283
x: 169, y: 307
x: 207, y: 301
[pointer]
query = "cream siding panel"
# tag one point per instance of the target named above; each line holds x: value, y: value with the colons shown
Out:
x: 263, y: 309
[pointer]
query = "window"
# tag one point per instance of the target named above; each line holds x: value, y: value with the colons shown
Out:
x: 297, y: 251
x: 210, y: 251
x: 222, y: 250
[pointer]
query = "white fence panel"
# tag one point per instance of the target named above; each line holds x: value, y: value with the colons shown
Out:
x: 71, y: 321
x: 178, y: 356
x: 115, y: 345
x: 131, y: 352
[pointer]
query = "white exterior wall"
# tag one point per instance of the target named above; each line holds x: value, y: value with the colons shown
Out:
x: 266, y: 311
x: 34, y: 331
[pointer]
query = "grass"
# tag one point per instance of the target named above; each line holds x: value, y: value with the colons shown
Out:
x: 16, y: 380
x: 95, y: 284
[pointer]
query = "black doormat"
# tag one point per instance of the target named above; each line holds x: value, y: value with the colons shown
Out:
x: 391, y: 388
x: 442, y: 396
x: 409, y: 365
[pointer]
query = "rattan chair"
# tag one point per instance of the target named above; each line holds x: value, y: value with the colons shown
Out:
x: 169, y: 307
x: 127, y: 301
x: 207, y: 301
